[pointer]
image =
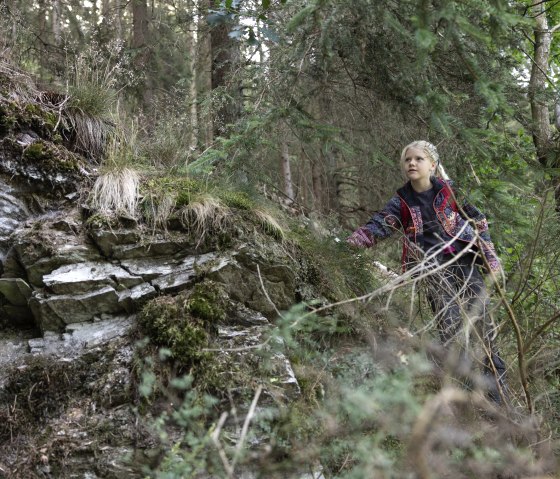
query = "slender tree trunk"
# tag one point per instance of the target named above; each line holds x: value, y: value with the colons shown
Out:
x: 548, y: 153
x: 316, y: 184
x: 118, y: 20
x: 140, y: 44
x: 286, y: 171
x: 225, y: 58
x: 204, y: 78
x: 56, y: 20
x: 537, y: 83
x: 192, y: 54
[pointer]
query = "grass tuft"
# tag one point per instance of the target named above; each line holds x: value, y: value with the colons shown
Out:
x: 269, y: 224
x: 205, y: 214
x: 116, y: 191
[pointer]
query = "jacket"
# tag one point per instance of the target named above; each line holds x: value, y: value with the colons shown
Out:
x: 398, y: 214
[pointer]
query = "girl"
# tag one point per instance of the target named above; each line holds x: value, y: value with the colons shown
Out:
x: 450, y: 242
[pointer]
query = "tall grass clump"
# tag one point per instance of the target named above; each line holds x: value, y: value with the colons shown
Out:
x: 205, y: 214
x: 116, y: 189
x: 92, y: 100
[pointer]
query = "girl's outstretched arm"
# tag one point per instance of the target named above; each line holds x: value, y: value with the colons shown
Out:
x: 380, y: 226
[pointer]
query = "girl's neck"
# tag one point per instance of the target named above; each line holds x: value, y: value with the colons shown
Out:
x: 421, y: 185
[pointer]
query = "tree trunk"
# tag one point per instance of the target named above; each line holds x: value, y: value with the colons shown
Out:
x: 56, y: 20
x: 225, y: 58
x: 548, y: 153
x: 537, y: 84
x: 287, y: 172
x: 140, y: 44
x: 192, y: 55
x: 118, y: 20
x: 204, y: 78
x: 316, y: 184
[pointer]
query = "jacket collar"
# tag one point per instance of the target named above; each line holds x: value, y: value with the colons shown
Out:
x: 406, y: 192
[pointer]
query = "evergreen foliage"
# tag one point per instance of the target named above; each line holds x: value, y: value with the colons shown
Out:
x: 333, y: 89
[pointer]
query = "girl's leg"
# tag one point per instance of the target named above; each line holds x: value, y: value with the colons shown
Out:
x: 477, y: 308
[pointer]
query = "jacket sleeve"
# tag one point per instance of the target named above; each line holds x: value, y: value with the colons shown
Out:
x: 481, y: 224
x: 380, y: 226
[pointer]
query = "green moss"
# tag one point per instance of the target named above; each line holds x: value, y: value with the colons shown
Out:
x: 100, y: 221
x: 35, y: 151
x: 180, y: 187
x: 208, y: 301
x: 8, y: 119
x: 32, y: 109
x: 236, y: 199
x: 50, y: 157
x: 168, y: 323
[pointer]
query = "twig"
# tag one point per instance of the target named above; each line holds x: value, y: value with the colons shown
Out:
x: 216, y: 440
x: 266, y: 293
x: 245, y: 429
x: 426, y: 419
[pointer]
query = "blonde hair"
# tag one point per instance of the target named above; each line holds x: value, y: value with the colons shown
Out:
x: 431, y: 152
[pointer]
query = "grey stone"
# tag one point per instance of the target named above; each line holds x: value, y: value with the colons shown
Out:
x: 107, y: 240
x: 132, y: 299
x: 16, y: 291
x: 63, y: 249
x: 83, y: 277
x: 100, y: 332
x: 151, y: 268
x: 53, y: 313
x: 152, y: 248
x: 184, y: 274
x: 240, y: 345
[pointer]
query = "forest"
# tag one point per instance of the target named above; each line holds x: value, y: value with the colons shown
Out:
x: 303, y: 108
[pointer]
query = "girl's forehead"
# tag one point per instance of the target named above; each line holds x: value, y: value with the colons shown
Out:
x: 416, y: 152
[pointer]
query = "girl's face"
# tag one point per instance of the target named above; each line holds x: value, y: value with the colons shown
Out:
x: 417, y: 166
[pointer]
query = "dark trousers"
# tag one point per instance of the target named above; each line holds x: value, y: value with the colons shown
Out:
x: 459, y: 300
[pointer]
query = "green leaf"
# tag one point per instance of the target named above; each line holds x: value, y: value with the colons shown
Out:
x: 265, y: 4
x: 300, y: 17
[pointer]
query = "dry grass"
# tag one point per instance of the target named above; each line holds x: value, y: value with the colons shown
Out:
x: 205, y: 214
x: 90, y: 133
x: 116, y: 191
x: 158, y: 207
x: 269, y: 224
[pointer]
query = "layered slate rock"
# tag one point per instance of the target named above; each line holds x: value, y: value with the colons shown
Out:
x: 13, y: 212
x: 86, y: 290
x: 54, y: 312
x: 83, y: 277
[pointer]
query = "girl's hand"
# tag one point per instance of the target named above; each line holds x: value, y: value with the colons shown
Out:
x: 361, y: 237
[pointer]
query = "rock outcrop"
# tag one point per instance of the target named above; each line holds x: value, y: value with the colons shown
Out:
x: 70, y: 293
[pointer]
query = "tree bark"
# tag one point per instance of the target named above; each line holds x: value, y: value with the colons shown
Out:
x: 204, y: 78
x: 140, y: 43
x: 316, y: 184
x: 287, y: 171
x: 548, y: 153
x: 537, y: 84
x: 225, y: 58
x: 192, y: 54
x: 56, y: 22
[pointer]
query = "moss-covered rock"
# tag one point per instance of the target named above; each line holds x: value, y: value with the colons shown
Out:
x: 169, y: 324
x: 47, y: 166
x: 27, y: 115
x: 208, y: 301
